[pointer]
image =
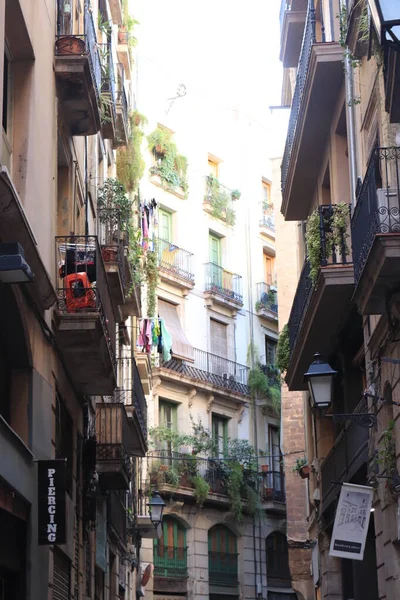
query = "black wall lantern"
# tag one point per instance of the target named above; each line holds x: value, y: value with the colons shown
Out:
x: 320, y: 382
x: 156, y: 508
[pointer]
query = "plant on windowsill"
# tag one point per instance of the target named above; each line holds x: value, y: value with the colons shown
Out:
x: 169, y: 165
x: 336, y: 235
x: 302, y: 468
x: 114, y: 207
x: 220, y: 201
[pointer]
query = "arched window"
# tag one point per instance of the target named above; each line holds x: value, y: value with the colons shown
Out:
x: 277, y: 559
x: 222, y: 556
x: 170, y: 550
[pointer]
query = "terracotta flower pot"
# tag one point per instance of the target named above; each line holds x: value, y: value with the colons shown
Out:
x: 264, y: 468
x: 305, y: 472
x: 70, y: 44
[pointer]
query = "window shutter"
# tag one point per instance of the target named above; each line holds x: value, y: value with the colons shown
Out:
x: 61, y: 577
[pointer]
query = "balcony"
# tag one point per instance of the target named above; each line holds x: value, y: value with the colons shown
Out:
x: 320, y: 306
x: 222, y: 288
x: 218, y: 200
x: 170, y: 562
x: 78, y: 74
x: 133, y: 303
x: 175, y: 266
x: 392, y: 82
x: 117, y: 516
x: 114, y: 437
x: 292, y: 18
x: 223, y: 569
x: 85, y: 326
x: 210, y: 371
x: 116, y: 11
x: 349, y: 453
x: 273, y: 491
x: 123, y: 50
x: 318, y: 83
x: 266, y: 301
x: 113, y: 253
x: 122, y: 130
x: 136, y: 409
x: 267, y: 223
x: 375, y: 229
x: 108, y: 99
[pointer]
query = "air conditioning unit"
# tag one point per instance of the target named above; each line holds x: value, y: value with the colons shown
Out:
x: 388, y: 209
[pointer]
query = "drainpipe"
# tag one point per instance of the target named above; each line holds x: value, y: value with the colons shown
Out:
x: 86, y: 189
x: 351, y: 136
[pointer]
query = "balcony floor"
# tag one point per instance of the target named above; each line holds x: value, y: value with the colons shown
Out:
x: 325, y: 312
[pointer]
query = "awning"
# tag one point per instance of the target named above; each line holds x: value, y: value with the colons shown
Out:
x: 181, y: 347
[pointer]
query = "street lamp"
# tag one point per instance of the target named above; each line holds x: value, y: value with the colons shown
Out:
x: 156, y: 508
x: 386, y: 18
x: 320, y: 382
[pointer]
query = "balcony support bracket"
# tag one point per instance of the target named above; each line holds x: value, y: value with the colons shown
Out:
x: 362, y: 419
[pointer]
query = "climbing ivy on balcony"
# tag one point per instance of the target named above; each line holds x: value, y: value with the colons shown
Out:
x: 169, y: 165
x: 130, y: 161
x: 283, y: 350
x: 220, y: 199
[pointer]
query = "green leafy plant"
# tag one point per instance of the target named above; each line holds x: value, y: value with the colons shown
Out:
x: 114, y: 206
x: 257, y: 382
x: 387, y: 452
x: 103, y: 25
x: 220, y: 200
x: 201, y: 489
x: 169, y: 165
x: 299, y: 464
x: 234, y: 488
x: 336, y: 235
x: 130, y: 162
x: 235, y: 194
x: 151, y: 277
x: 283, y: 350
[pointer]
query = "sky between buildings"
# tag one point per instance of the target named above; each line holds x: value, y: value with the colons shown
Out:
x: 225, y: 53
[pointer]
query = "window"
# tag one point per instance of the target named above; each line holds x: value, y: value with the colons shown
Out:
x: 273, y: 450
x: 168, y: 418
x: 270, y: 351
x: 222, y: 556
x: 269, y: 269
x: 170, y: 550
x: 278, y: 559
x: 218, y: 340
x: 165, y: 225
x: 64, y: 438
x: 215, y: 249
x: 220, y: 435
x: 213, y: 167
x: 266, y: 188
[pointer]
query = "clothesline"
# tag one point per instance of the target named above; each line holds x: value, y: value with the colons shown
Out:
x: 153, y: 333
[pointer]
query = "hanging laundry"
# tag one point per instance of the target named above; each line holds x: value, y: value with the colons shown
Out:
x: 166, y: 341
x: 156, y: 332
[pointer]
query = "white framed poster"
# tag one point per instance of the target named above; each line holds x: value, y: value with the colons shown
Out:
x: 351, y: 521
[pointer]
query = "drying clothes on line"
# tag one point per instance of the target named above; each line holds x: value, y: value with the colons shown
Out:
x: 166, y: 341
x: 168, y: 255
x: 153, y: 333
x: 147, y: 223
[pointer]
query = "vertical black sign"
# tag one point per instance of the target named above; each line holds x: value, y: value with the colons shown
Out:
x: 51, y: 501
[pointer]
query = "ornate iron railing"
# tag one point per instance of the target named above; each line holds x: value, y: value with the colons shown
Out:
x: 267, y: 221
x: 82, y: 283
x: 273, y: 486
x: 378, y: 203
x: 170, y: 561
x: 220, y: 199
x: 122, y: 104
x: 266, y: 297
x: 213, y: 369
x: 112, y: 240
x: 67, y: 43
x: 108, y: 76
x: 222, y: 568
x: 348, y: 454
x: 175, y: 260
x: 329, y: 255
x: 309, y: 38
x: 223, y: 283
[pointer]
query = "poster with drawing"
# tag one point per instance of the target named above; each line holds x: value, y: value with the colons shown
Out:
x: 351, y: 522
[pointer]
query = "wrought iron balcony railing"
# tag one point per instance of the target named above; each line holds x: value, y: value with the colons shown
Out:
x: 330, y: 255
x: 223, y: 568
x: 378, y: 204
x: 170, y: 561
x: 268, y: 221
x: 213, y: 369
x: 113, y: 434
x: 122, y: 103
x: 175, y: 260
x: 273, y: 486
x: 223, y: 283
x: 108, y: 75
x: 78, y: 44
x: 82, y: 283
x: 309, y: 39
x: 266, y: 297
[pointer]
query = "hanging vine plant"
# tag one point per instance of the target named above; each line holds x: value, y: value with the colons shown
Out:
x: 130, y: 161
x: 220, y: 200
x: 151, y: 275
x: 283, y: 350
x: 169, y: 165
x: 336, y: 236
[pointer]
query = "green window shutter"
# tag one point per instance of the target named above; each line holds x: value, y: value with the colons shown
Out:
x: 215, y: 250
x: 165, y: 225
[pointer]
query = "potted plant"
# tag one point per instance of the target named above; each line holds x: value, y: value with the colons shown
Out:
x: 235, y: 194
x: 301, y: 467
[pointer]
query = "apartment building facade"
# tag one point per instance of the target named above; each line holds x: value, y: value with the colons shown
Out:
x: 212, y: 224
x: 71, y: 390
x: 339, y: 178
